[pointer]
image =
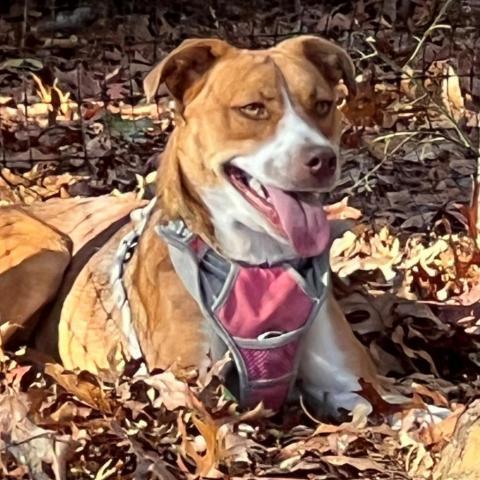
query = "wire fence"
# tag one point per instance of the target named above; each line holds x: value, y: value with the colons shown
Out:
x: 71, y: 75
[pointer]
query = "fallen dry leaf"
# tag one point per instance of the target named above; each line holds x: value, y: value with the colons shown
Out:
x: 172, y: 393
x: 28, y: 443
x: 81, y: 385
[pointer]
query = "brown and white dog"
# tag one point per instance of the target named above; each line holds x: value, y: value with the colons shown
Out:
x: 247, y: 123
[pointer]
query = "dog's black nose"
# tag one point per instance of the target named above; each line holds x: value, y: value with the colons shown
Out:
x: 322, y: 162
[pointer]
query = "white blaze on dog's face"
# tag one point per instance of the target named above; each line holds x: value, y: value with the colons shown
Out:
x: 256, y: 143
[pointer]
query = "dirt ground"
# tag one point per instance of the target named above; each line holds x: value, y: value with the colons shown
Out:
x: 73, y: 121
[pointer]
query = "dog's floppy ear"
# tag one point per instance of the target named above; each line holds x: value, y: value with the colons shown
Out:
x: 332, y: 60
x: 183, y: 67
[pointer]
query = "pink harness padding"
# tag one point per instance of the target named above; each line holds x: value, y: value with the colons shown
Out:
x: 261, y: 313
x: 264, y: 300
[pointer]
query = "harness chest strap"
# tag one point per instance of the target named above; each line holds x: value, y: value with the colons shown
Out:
x: 260, y: 313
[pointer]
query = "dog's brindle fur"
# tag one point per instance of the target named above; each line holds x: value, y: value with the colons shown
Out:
x: 212, y: 82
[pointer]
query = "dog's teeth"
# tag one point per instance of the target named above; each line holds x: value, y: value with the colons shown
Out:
x: 257, y: 187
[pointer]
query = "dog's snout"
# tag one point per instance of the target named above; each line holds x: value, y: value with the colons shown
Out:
x: 322, y: 162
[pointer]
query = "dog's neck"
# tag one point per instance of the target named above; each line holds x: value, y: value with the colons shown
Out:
x: 239, y: 237
x: 157, y: 298
x: 177, y: 199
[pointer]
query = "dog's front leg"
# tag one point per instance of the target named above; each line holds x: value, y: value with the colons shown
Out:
x: 332, y: 362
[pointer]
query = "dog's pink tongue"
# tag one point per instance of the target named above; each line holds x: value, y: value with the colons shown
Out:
x: 305, y: 225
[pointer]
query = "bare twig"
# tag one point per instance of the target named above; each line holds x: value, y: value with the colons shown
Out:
x: 387, y: 155
x: 434, y: 26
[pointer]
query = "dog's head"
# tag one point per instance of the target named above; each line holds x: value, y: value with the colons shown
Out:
x: 256, y: 143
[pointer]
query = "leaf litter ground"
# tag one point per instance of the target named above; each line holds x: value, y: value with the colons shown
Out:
x: 73, y: 122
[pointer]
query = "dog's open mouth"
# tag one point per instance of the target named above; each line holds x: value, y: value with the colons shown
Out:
x: 255, y: 193
x: 297, y: 216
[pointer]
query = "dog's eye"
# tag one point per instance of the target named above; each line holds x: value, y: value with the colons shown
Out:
x: 323, y: 107
x: 255, y: 110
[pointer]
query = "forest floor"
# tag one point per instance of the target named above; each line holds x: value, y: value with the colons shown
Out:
x: 73, y: 121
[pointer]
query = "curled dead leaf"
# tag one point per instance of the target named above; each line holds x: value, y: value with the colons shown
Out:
x: 30, y: 444
x: 172, y: 392
x: 398, y: 336
x: 451, y: 93
x: 440, y: 433
x: 80, y: 385
x: 342, y: 211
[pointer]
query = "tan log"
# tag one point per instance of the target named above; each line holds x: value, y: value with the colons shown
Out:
x: 37, y: 244
x: 460, y: 459
x: 83, y: 314
x: 84, y: 219
x: 33, y: 259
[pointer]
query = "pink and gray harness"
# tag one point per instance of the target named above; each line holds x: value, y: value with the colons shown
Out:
x: 260, y: 313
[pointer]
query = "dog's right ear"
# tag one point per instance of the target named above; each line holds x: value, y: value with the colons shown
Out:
x: 184, y: 67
